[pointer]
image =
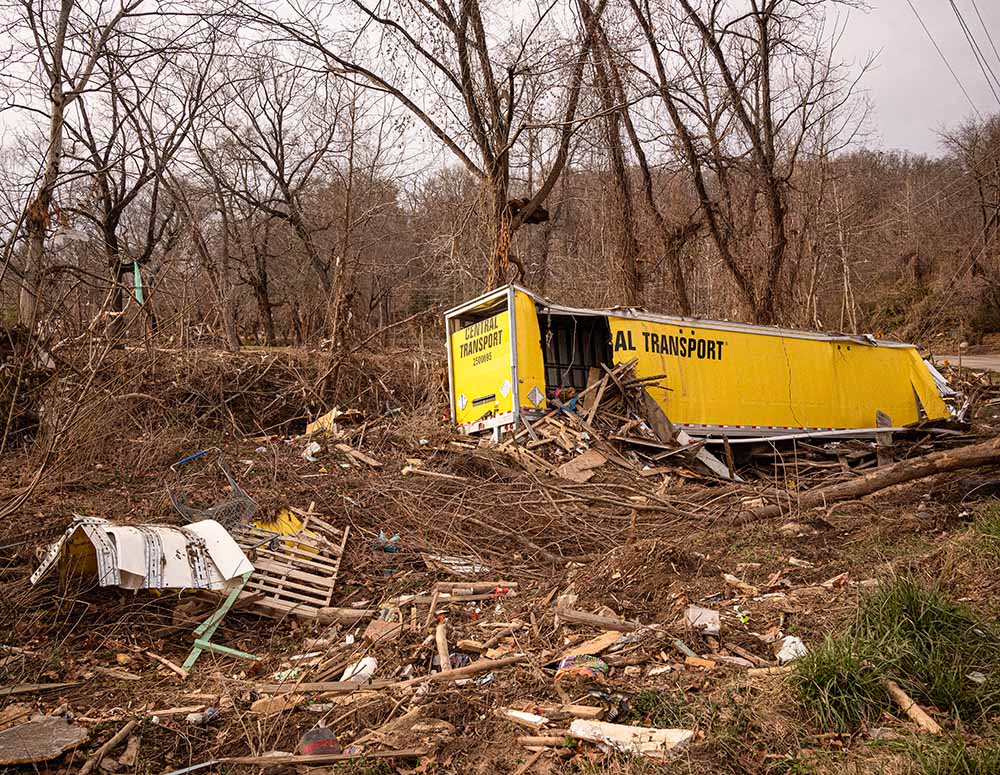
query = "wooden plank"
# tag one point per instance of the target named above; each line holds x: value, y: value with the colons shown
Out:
x: 283, y: 582
x: 277, y: 590
x: 597, y: 401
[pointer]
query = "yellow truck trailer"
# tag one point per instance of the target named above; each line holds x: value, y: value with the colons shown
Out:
x: 510, y: 350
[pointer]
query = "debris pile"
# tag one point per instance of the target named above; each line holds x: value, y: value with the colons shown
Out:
x: 405, y: 596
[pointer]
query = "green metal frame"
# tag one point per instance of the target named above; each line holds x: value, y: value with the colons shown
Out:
x: 205, y: 630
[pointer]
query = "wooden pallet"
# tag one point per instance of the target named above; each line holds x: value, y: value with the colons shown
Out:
x: 299, y: 577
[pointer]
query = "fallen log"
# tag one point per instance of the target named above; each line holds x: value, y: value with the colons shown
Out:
x: 887, y: 476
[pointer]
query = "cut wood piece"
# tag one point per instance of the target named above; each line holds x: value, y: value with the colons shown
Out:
x: 581, y: 468
x: 898, y: 473
x: 906, y: 704
x: 604, y: 622
x: 273, y: 706
x: 432, y: 474
x: 555, y: 741
x: 441, y: 641
x: 556, y: 712
x: 474, y: 668
x: 382, y: 631
x: 40, y: 740
x: 782, y: 670
x: 705, y: 664
x: 594, y: 646
x: 642, y: 741
x: 347, y: 449
x: 524, y: 718
x: 323, y: 758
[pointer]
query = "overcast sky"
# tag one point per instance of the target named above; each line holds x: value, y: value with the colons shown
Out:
x: 913, y: 93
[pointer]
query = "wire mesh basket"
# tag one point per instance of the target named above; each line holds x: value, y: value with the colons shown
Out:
x: 238, y: 509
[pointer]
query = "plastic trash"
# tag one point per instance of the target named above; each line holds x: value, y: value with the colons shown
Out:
x: 202, y: 718
x: 386, y: 543
x: 319, y: 741
x: 705, y: 620
x: 457, y: 660
x: 792, y: 648
x: 309, y: 453
x: 363, y: 670
x: 582, y: 666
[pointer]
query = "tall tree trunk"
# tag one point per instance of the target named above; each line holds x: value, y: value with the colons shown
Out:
x: 38, y: 214
x: 624, y: 279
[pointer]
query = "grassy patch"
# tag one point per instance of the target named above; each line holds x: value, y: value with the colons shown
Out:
x: 954, y: 756
x: 987, y: 529
x: 916, y: 636
x: 841, y: 685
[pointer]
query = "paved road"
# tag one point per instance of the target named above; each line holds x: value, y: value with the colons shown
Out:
x: 987, y: 361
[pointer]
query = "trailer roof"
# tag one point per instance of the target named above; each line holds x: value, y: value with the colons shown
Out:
x: 630, y: 313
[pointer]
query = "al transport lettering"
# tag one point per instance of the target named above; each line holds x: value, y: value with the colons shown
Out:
x: 484, y: 335
x: 670, y: 344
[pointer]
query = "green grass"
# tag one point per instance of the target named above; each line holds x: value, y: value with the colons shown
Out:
x: 987, y: 529
x: 912, y: 634
x: 953, y: 756
x: 841, y: 684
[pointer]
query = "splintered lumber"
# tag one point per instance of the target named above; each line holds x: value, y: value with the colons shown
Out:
x: 347, y: 449
x: 917, y: 714
x: 98, y: 756
x: 946, y: 460
x: 668, y: 433
x: 604, y: 622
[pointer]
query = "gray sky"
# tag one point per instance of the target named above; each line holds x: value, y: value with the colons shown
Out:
x: 913, y: 94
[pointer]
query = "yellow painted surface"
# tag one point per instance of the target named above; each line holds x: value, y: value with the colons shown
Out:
x: 751, y: 379
x: 530, y: 364
x: 481, y: 368
x: 287, y: 523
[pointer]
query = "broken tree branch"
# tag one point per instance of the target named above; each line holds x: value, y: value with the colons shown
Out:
x: 887, y: 476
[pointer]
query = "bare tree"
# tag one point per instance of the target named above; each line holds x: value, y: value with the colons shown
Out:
x: 143, y: 120
x: 65, y: 44
x: 464, y: 75
x: 756, y: 79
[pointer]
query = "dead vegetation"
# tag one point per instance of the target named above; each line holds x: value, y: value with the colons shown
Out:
x: 501, y: 569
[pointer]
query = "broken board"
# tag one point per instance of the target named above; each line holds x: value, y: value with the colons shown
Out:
x: 298, y: 576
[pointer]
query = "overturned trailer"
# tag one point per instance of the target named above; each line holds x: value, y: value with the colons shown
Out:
x: 510, y: 352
